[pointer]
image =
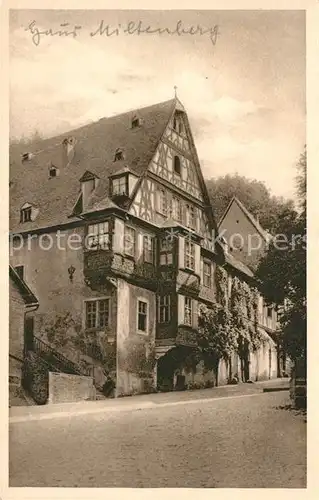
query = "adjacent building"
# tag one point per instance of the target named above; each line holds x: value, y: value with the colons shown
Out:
x: 116, y: 234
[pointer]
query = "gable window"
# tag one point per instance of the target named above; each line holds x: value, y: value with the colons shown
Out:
x: 176, y: 209
x: 164, y: 309
x: 129, y: 241
x: 207, y: 274
x: 25, y: 214
x: 175, y: 123
x: 177, y: 165
x: 118, y: 155
x: 189, y: 255
x: 190, y: 217
x: 142, y: 315
x: 166, y: 252
x: 162, y: 201
x: 188, y: 311
x: 97, y: 313
x: 148, y: 249
x: 98, y: 236
x: 119, y: 185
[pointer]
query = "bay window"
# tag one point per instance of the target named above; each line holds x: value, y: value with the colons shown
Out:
x: 99, y: 236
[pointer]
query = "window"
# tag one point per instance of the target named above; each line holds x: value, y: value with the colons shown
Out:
x: 180, y: 127
x: 166, y: 252
x: 269, y: 312
x: 129, y: 241
x: 97, y: 313
x: 148, y: 249
x: 53, y: 171
x: 142, y: 316
x: 119, y: 185
x: 190, y: 217
x: 176, y: 209
x: 25, y: 214
x: 177, y: 165
x: 174, y: 123
x: 118, y: 155
x: 189, y: 255
x: 207, y: 274
x: 162, y: 201
x: 20, y: 271
x: 98, y: 236
x: 164, y: 309
x: 188, y: 311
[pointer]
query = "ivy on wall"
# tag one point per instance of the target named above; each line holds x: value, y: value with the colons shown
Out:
x: 231, y: 323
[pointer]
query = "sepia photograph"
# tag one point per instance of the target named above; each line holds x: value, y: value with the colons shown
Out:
x: 157, y: 249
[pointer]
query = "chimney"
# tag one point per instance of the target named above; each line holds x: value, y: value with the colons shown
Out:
x: 68, y: 151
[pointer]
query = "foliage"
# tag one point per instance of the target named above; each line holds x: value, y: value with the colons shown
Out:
x: 252, y: 193
x: 282, y: 272
x: 35, y: 378
x: 137, y: 357
x: 57, y: 332
x: 231, y: 324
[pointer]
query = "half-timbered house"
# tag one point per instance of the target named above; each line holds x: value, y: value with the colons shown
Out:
x: 115, y: 230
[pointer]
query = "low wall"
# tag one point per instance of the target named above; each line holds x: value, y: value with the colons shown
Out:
x: 65, y: 388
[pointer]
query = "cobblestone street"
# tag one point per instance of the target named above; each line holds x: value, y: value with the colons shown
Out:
x: 243, y: 442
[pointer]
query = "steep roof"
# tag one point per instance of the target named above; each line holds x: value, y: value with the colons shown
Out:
x: 250, y: 217
x: 95, y: 148
x: 28, y: 296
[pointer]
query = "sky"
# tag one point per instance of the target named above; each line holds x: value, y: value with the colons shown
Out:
x: 245, y: 94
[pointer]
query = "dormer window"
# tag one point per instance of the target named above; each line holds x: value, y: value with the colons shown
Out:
x: 26, y: 157
x: 135, y: 122
x: 26, y: 214
x: 53, y: 171
x: 118, y: 155
x: 119, y: 186
x: 177, y: 165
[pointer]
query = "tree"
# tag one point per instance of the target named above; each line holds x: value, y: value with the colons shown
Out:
x: 282, y: 271
x: 252, y: 193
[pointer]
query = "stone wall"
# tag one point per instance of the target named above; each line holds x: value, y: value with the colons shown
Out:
x: 65, y: 388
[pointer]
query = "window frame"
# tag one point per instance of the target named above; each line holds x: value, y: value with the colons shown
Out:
x: 162, y: 201
x: 208, y: 275
x: 165, y: 308
x: 191, y: 220
x: 146, y: 302
x: 121, y: 179
x: 176, y: 210
x: 177, y: 163
x: 126, y: 252
x: 26, y: 214
x: 189, y: 255
x: 96, y: 301
x: 99, y: 236
x: 166, y: 252
x: 189, y: 309
x: 148, y: 251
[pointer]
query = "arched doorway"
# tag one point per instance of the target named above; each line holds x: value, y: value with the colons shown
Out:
x: 170, y: 368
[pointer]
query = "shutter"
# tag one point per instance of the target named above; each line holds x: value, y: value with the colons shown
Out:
x: 180, y: 311
x: 197, y: 259
x: 181, y: 252
x: 195, y: 313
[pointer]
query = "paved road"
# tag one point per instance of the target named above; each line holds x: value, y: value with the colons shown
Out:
x: 246, y: 442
